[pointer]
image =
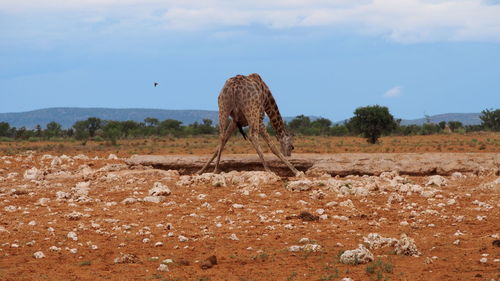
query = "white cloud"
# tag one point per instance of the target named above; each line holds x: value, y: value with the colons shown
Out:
x: 404, y: 21
x: 393, y: 92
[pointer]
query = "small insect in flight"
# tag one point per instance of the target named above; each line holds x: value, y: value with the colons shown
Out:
x: 156, y: 84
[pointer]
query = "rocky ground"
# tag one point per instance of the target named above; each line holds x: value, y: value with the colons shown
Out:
x: 94, y: 217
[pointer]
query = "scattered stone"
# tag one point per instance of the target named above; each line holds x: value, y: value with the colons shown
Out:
x: 42, y: 202
x: 406, y: 246
x: 457, y: 175
x: 347, y: 203
x: 436, y: 180
x: 183, y: 238
x: 300, y: 185
x: 32, y: 174
x: 162, y: 267
x: 376, y: 241
x: 153, y: 199
x: 357, y: 256
x: 129, y: 200
x: 305, y: 248
x: 159, y: 190
x: 54, y: 249
x: 112, y: 157
x: 71, y: 235
x: 39, y: 255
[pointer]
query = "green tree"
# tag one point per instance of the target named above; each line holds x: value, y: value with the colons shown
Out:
x: 206, y: 127
x: 53, y: 129
x: 112, y: 131
x: 299, y: 123
x: 455, y: 125
x: 4, y: 129
x: 151, y: 122
x: 321, y: 126
x: 38, y: 131
x: 170, y: 127
x: 491, y: 119
x: 93, y: 124
x: 81, y: 131
x: 372, y: 122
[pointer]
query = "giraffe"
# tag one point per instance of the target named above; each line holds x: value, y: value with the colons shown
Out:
x: 246, y: 99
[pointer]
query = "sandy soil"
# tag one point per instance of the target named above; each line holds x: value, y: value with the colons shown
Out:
x: 92, y: 217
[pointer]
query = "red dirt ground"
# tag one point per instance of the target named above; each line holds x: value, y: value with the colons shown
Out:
x: 205, y: 214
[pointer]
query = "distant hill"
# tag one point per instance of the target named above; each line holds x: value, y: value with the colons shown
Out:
x: 465, y: 118
x: 67, y: 116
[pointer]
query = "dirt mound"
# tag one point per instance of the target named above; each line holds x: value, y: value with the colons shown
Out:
x: 417, y: 164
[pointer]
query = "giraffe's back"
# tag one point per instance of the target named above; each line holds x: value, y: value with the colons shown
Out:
x: 243, y: 97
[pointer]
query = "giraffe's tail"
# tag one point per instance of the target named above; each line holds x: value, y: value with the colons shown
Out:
x: 241, y: 130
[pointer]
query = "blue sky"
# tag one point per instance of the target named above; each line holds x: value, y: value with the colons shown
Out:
x: 323, y: 58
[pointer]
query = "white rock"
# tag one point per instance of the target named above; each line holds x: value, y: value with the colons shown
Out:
x: 331, y: 204
x: 233, y: 237
x: 154, y: 199
x: 299, y: 185
x: 32, y: 174
x: 129, y: 200
x: 158, y: 244
x: 10, y: 208
x: 457, y: 175
x: 320, y: 211
x: 306, y: 248
x: 436, y: 180
x: 406, y: 246
x: 304, y: 240
x: 54, y: 249
x: 162, y: 267
x: 72, y: 235
x: 483, y: 260
x: 112, y: 157
x: 238, y: 206
x: 347, y: 203
x: 376, y: 241
x: 182, y: 238
x: 42, y: 201
x: 39, y: 255
x: 357, y: 256
x: 56, y: 161
x: 159, y: 190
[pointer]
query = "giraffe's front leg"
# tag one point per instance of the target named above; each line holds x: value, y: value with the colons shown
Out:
x: 254, y: 139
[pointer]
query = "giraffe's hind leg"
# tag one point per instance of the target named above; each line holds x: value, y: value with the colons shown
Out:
x: 223, y: 140
x: 254, y: 139
x: 229, y: 131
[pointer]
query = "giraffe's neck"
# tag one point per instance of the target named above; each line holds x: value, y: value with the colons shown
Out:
x: 275, y: 117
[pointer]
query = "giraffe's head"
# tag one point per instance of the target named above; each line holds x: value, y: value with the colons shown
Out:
x: 286, y: 142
